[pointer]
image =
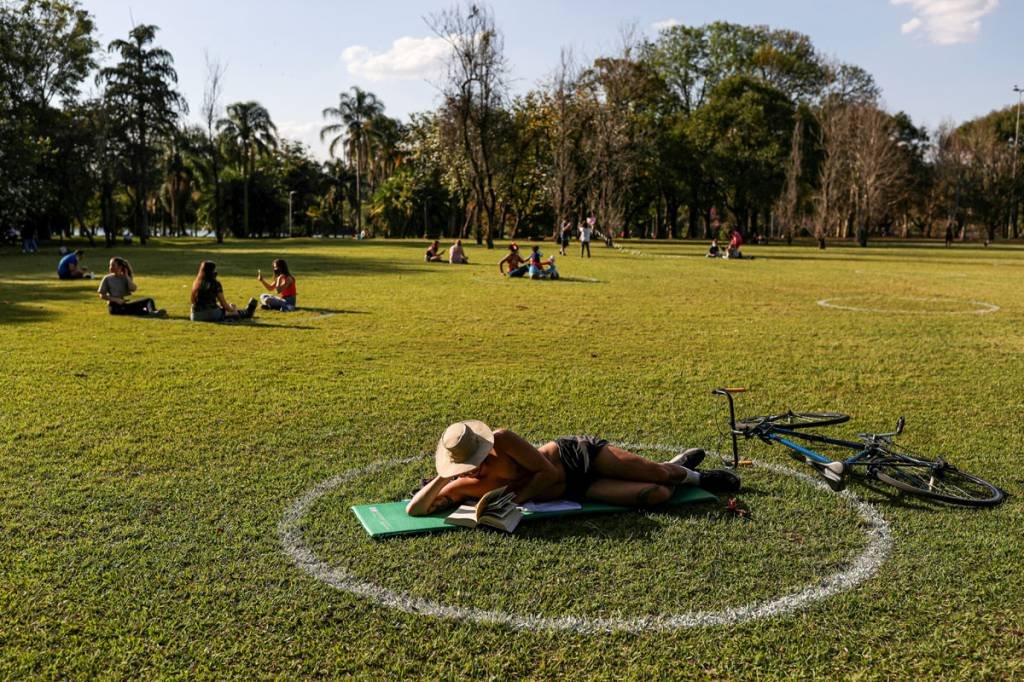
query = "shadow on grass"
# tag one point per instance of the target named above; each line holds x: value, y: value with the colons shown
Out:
x: 625, y: 526
x: 19, y: 298
x: 244, y: 258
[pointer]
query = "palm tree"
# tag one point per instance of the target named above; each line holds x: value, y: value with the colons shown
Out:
x: 354, y: 115
x: 178, y: 184
x: 387, y: 138
x: 249, y: 127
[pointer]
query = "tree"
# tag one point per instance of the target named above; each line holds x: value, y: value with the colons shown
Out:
x: 565, y: 121
x: 249, y: 128
x: 140, y: 90
x: 746, y: 131
x: 353, y: 131
x: 47, y: 48
x: 474, y: 93
x: 211, y: 151
x: 863, y: 171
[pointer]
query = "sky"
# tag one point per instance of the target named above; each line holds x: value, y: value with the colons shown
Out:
x: 937, y: 60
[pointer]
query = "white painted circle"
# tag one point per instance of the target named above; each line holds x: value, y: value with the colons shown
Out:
x: 860, y: 569
x: 979, y: 307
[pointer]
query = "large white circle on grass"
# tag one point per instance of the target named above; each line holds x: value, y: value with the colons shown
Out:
x: 864, y: 566
x: 908, y: 303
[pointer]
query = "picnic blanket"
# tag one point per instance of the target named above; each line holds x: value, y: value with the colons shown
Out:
x: 389, y: 518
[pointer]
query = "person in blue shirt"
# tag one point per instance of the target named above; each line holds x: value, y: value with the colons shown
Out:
x: 536, y: 265
x: 69, y: 267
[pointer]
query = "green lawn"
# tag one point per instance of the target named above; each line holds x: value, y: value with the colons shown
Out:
x: 148, y: 464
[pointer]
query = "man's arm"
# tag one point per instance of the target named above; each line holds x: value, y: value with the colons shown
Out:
x: 528, y: 457
x: 442, y: 493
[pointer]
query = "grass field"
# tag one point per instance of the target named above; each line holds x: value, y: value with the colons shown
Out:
x: 148, y: 464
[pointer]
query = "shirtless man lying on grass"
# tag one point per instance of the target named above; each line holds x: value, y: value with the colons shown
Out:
x: 472, y: 460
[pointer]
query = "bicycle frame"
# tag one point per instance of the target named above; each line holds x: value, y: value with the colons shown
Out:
x: 771, y: 433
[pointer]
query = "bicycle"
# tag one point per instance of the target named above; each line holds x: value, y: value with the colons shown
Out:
x: 874, y: 456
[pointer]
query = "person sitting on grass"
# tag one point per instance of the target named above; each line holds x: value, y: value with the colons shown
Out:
x: 283, y: 285
x: 713, y: 250
x: 517, y: 267
x: 735, y: 242
x: 70, y: 268
x: 456, y: 254
x: 116, y: 287
x: 432, y: 255
x: 536, y: 264
x: 208, y: 302
x: 471, y: 460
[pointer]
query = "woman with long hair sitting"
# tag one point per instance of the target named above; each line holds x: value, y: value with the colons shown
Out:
x: 283, y: 286
x: 208, y: 302
x: 118, y: 285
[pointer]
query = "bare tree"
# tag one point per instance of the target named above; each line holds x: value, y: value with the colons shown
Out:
x: 565, y: 129
x: 211, y: 112
x: 474, y: 90
x: 862, y: 170
x: 787, y: 209
x: 879, y: 168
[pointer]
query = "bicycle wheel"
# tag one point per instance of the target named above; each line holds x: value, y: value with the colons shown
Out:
x: 795, y: 420
x: 936, y: 480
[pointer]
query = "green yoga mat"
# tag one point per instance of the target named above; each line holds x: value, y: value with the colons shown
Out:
x: 389, y: 518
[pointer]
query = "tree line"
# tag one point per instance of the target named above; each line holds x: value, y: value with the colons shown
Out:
x: 677, y: 136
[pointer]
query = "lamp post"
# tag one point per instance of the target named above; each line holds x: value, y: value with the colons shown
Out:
x: 1016, y: 146
x: 290, y: 195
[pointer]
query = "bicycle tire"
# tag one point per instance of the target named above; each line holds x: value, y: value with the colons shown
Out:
x: 794, y: 420
x: 934, y: 479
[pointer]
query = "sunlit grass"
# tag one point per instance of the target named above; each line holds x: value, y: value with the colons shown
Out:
x: 147, y: 463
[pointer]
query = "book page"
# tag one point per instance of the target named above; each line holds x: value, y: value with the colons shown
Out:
x: 463, y: 516
x: 507, y: 523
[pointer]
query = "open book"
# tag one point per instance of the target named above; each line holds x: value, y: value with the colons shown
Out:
x: 495, y: 509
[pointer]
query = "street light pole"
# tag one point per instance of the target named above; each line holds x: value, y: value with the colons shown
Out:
x: 1016, y: 146
x: 290, y: 195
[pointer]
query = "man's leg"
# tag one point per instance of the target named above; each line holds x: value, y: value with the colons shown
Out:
x: 629, y: 493
x: 616, y: 463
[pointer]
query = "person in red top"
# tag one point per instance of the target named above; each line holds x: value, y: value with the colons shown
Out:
x: 283, y: 285
x: 735, y: 242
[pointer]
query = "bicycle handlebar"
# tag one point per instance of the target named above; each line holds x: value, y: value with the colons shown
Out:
x: 884, y: 437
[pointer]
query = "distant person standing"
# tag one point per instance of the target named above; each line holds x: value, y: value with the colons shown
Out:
x: 70, y: 268
x: 564, y: 235
x: 28, y: 240
x: 949, y: 235
x: 586, y: 231
x: 456, y: 254
x: 118, y: 285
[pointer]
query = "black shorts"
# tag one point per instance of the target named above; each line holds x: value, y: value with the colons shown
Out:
x: 578, y: 454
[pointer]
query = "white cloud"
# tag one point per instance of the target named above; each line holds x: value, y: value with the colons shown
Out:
x: 307, y: 132
x: 666, y: 23
x: 947, y: 22
x: 911, y: 26
x: 408, y: 58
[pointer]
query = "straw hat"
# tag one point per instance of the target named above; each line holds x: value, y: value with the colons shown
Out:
x: 462, y: 447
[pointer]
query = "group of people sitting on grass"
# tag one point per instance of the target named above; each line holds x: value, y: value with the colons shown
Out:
x: 456, y: 254
x: 472, y: 460
x: 534, y: 266
x: 731, y: 251
x: 208, y: 303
